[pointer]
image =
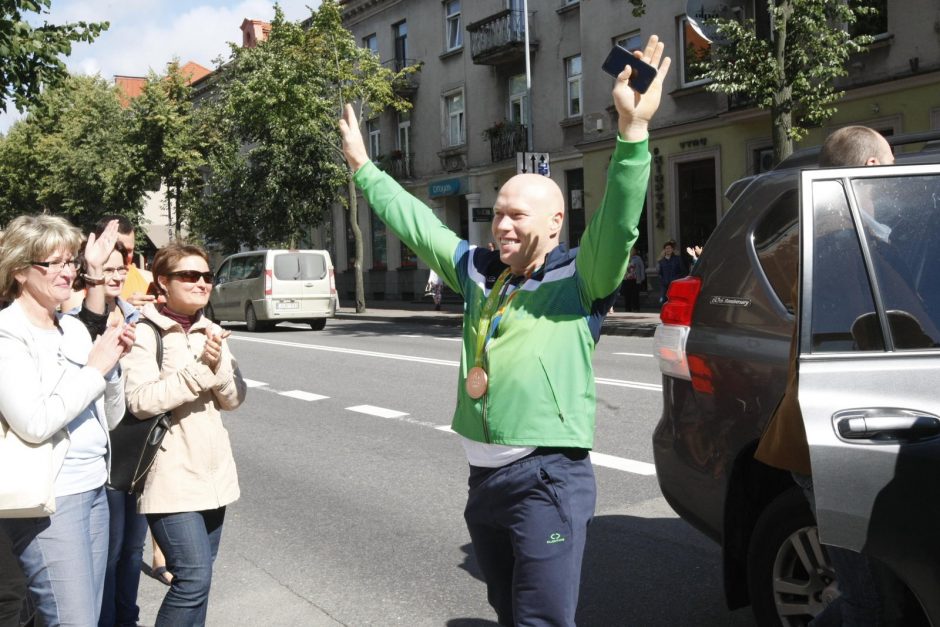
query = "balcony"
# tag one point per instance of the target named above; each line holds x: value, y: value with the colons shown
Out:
x: 407, y: 85
x: 499, y: 38
x: 397, y: 164
x: 506, y: 139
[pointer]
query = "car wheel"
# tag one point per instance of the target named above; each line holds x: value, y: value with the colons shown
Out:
x: 790, y: 578
x: 317, y: 324
x: 209, y: 313
x: 251, y: 320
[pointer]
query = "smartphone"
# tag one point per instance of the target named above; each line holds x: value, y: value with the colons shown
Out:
x: 642, y: 75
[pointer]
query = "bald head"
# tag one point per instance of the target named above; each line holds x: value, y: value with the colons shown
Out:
x: 527, y: 218
x: 852, y: 146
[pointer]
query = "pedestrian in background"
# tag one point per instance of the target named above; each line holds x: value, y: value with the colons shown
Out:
x: 632, y: 280
x: 435, y: 288
x: 55, y: 384
x: 670, y: 268
x: 525, y: 401
x: 193, y: 476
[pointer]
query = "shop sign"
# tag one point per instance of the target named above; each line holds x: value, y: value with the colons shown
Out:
x: 447, y: 187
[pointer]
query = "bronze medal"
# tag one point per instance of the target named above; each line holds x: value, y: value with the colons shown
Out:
x: 476, y: 382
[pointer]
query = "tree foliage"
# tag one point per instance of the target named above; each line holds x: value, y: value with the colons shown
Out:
x: 31, y: 56
x: 280, y: 102
x: 168, y: 139
x: 791, y: 73
x: 69, y: 156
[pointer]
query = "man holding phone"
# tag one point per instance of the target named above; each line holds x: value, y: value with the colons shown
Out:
x: 532, y: 316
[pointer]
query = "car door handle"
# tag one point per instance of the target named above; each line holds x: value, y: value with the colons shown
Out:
x: 901, y: 426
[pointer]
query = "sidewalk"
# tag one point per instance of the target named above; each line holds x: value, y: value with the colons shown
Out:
x: 641, y: 324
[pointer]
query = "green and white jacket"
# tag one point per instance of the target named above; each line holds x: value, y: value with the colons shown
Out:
x: 541, y: 380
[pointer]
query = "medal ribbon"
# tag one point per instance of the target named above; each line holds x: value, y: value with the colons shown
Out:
x: 489, y: 317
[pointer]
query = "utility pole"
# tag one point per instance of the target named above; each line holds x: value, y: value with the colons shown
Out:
x: 530, y: 131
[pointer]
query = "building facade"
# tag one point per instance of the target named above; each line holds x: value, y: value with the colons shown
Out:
x: 473, y: 113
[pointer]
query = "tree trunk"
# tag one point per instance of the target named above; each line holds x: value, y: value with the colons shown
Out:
x: 781, y: 109
x: 178, y: 214
x: 357, y: 236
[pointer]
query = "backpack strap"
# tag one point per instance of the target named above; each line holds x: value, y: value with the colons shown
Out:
x: 159, y: 335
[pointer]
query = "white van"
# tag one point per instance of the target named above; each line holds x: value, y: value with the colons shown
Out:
x: 263, y: 287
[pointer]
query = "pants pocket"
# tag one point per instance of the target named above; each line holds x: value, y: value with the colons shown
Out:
x: 552, y: 489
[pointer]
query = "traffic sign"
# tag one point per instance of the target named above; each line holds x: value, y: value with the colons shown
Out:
x: 533, y: 162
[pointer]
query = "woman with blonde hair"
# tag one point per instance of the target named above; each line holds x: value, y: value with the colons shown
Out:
x: 55, y: 384
x: 193, y: 476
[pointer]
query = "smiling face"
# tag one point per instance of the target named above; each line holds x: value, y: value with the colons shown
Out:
x: 184, y: 297
x: 115, y: 272
x: 48, y: 287
x: 527, y: 218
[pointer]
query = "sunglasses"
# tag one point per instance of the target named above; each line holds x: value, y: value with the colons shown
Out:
x: 192, y: 276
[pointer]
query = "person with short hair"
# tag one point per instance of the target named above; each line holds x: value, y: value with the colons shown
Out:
x: 193, y: 476
x: 56, y: 384
x: 670, y: 268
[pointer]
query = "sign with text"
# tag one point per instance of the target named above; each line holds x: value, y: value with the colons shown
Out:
x: 447, y: 187
x: 482, y: 214
x: 534, y: 162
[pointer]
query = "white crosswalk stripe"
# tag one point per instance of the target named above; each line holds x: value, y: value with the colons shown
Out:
x: 303, y: 396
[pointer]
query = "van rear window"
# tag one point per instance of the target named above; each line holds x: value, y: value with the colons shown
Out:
x: 299, y: 267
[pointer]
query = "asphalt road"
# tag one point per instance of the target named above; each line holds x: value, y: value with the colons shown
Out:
x: 353, y: 491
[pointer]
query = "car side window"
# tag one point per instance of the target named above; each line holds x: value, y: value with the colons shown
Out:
x: 254, y: 266
x: 842, y: 302
x: 777, y: 243
x: 222, y: 275
x: 901, y: 220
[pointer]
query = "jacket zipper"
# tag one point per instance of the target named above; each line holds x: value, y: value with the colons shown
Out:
x: 486, y: 428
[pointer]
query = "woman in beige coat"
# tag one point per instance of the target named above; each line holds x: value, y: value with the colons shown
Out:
x: 193, y: 476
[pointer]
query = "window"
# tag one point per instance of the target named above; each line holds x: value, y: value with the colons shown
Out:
x: 408, y: 257
x: 630, y: 41
x: 404, y: 141
x: 693, y: 50
x: 452, y: 29
x: 777, y: 244
x: 299, y: 267
x: 573, y: 76
x: 518, y: 99
x: 379, y: 243
x: 371, y: 42
x: 455, y: 124
x: 762, y: 160
x: 400, y: 34
x: 874, y: 25
x: 375, y: 138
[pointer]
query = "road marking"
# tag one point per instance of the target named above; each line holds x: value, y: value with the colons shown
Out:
x: 449, y: 339
x: 349, y: 351
x: 652, y: 387
x: 413, y: 336
x: 621, y: 463
x: 303, y: 396
x: 381, y: 412
x: 635, y: 354
x: 445, y: 428
x: 254, y: 384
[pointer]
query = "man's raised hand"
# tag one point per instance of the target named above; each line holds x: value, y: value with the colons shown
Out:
x: 636, y: 109
x: 353, y: 147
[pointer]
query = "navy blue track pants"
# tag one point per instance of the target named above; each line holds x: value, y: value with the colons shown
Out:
x: 528, y: 524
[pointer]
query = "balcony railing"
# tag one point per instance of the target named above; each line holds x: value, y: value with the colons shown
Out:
x: 408, y: 84
x: 499, y: 38
x: 506, y: 139
x: 397, y: 164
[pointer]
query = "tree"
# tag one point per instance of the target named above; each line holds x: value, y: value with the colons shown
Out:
x: 70, y: 156
x: 791, y: 73
x: 282, y: 100
x: 30, y: 56
x: 169, y: 142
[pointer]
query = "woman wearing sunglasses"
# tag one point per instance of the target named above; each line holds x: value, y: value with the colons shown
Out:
x: 193, y: 476
x: 56, y: 385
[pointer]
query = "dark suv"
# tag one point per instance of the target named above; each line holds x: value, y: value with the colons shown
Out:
x: 864, y: 244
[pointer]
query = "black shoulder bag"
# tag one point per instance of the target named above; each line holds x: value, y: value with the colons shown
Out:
x: 135, y: 442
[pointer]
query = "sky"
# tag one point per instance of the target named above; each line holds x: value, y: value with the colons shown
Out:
x: 145, y: 34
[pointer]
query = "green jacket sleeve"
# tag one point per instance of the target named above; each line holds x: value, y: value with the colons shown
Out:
x: 605, y: 246
x: 412, y: 221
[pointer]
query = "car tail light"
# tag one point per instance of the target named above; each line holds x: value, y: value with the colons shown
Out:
x: 332, y: 282
x: 671, y: 336
x: 268, y: 288
x: 680, y: 301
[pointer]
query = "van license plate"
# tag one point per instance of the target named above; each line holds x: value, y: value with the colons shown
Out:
x: 290, y: 304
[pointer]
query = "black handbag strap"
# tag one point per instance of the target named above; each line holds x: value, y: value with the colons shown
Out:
x: 156, y: 332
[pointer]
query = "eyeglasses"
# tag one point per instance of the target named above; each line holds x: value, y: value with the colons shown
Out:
x: 192, y: 276
x: 56, y: 266
x: 120, y: 271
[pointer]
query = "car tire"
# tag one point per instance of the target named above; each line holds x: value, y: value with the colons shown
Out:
x: 317, y: 324
x: 252, y: 323
x: 787, y: 568
x: 209, y: 313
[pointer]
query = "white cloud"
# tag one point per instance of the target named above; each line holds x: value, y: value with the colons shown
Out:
x: 146, y: 34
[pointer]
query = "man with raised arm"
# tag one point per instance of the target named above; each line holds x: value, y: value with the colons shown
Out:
x: 532, y: 316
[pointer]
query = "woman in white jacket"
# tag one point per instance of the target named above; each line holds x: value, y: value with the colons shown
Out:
x: 56, y: 385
